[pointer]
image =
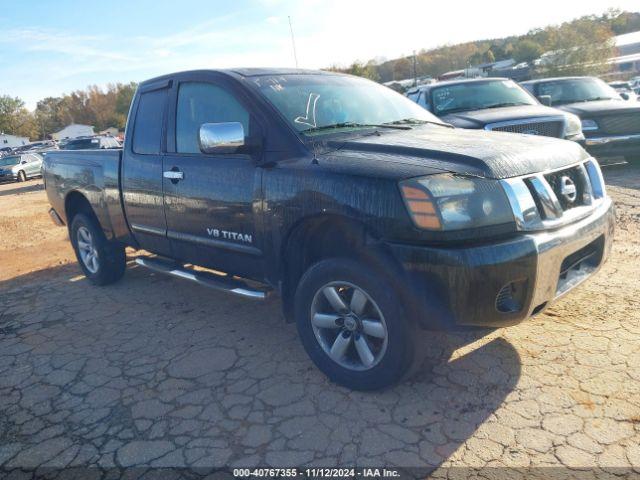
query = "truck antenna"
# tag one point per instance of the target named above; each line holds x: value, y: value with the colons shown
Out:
x: 293, y: 42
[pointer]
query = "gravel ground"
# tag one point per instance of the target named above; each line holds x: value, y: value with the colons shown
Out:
x: 156, y: 372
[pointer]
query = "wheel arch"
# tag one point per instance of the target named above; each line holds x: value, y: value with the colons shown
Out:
x: 76, y: 202
x: 329, y: 236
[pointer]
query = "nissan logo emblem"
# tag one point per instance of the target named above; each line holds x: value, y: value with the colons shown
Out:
x: 568, y: 189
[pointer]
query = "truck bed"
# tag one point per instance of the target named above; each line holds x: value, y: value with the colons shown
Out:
x: 92, y: 173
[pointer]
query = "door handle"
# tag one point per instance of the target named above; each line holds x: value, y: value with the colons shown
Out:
x: 173, y: 175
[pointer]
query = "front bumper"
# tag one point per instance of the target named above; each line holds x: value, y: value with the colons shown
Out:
x: 613, y: 145
x: 501, y: 284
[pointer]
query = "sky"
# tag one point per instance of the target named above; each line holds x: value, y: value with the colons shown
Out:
x: 51, y: 47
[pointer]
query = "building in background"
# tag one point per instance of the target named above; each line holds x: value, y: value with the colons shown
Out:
x: 73, y: 131
x: 627, y: 63
x: 12, y: 141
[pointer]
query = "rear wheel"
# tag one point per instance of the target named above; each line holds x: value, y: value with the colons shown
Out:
x: 352, y: 326
x: 103, y: 262
x: 22, y: 177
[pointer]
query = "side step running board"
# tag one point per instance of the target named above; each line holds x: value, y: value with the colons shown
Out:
x: 217, y: 282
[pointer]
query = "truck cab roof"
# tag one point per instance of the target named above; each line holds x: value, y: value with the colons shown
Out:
x: 242, y: 72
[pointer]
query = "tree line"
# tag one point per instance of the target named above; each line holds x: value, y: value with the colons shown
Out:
x: 579, y: 47
x: 100, y: 107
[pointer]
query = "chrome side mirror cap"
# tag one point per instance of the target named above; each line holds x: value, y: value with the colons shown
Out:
x: 224, y: 137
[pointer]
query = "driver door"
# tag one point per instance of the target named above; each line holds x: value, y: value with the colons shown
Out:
x: 213, y: 218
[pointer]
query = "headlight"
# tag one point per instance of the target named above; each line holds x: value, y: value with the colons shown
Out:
x: 452, y: 202
x: 589, y: 125
x: 574, y: 127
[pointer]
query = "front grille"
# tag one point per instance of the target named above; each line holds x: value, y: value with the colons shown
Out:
x: 620, y: 124
x: 545, y: 129
x: 548, y: 200
x: 563, y: 182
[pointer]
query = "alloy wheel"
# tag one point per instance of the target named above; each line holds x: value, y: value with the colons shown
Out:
x: 87, y: 250
x: 349, y: 325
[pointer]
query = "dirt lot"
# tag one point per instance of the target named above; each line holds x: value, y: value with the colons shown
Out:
x: 157, y: 372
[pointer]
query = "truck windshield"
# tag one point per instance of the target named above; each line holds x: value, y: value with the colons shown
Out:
x: 9, y: 161
x: 478, y: 96
x: 320, y: 104
x: 574, y: 90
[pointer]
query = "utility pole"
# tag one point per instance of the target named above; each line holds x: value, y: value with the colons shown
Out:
x: 293, y: 42
x: 415, y: 69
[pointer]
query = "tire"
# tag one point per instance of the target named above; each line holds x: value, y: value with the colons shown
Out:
x: 22, y: 177
x: 393, y: 356
x: 102, y: 262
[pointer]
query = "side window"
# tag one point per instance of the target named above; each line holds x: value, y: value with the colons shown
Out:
x: 147, y: 132
x: 200, y: 103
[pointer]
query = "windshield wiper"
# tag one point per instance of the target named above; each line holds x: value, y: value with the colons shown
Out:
x: 505, y: 104
x: 580, y: 100
x: 335, y: 126
x: 416, y: 121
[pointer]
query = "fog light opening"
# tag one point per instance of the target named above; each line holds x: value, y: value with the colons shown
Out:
x: 510, y: 297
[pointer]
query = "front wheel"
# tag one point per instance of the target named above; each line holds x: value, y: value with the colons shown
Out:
x: 103, y: 262
x: 352, y: 326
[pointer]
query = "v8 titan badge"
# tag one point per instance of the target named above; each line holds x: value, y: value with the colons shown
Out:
x: 228, y: 235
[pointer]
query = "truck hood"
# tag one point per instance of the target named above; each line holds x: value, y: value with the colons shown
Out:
x: 583, y: 109
x: 480, y: 118
x: 473, y: 152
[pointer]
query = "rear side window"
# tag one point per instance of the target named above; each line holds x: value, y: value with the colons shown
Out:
x: 200, y: 103
x: 147, y: 132
x: 84, y: 144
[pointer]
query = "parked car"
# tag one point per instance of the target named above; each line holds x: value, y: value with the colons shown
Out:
x: 92, y: 143
x: 610, y: 124
x: 5, y: 151
x: 369, y: 216
x: 625, y: 90
x: 20, y: 167
x: 496, y: 104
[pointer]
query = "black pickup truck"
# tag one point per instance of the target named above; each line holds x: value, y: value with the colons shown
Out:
x: 366, y: 214
x: 496, y: 104
x: 610, y: 124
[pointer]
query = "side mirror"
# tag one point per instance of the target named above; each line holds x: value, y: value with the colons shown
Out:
x: 624, y: 95
x: 545, y: 100
x: 224, y: 137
